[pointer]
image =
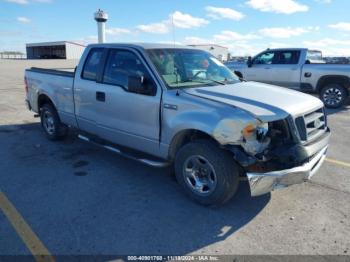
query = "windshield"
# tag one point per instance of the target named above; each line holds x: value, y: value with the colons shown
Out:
x: 183, y: 68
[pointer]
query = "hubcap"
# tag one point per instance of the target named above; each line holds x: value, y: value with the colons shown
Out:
x: 48, y: 122
x: 332, y: 96
x: 199, y: 175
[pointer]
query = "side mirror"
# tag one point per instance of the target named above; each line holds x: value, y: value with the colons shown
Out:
x: 249, y: 61
x: 239, y: 75
x: 138, y: 84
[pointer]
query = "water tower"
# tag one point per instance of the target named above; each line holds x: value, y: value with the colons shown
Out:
x: 101, y: 19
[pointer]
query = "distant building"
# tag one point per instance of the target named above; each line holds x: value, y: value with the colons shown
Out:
x: 220, y: 52
x: 54, y: 50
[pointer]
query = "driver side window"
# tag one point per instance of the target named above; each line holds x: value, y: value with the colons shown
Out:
x: 121, y: 64
x: 264, y: 58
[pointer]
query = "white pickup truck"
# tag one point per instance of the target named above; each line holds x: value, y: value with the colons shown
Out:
x: 301, y: 69
x: 164, y: 104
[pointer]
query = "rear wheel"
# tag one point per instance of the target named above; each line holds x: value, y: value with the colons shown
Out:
x: 51, y: 123
x: 333, y: 95
x: 207, y: 173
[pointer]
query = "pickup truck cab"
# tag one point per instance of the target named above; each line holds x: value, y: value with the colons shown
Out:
x: 175, y: 105
x: 300, y: 69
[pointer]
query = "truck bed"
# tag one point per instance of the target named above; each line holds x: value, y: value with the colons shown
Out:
x: 68, y: 72
x: 57, y: 84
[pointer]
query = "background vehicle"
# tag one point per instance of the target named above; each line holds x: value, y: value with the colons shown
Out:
x: 162, y: 105
x: 301, y: 69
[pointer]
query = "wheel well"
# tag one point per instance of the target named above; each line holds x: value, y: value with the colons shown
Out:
x: 44, y: 99
x: 184, y: 137
x: 334, y: 79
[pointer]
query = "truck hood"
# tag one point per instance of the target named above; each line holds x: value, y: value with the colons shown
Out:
x: 266, y: 102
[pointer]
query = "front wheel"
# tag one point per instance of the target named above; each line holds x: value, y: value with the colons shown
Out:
x: 207, y: 173
x: 333, y: 95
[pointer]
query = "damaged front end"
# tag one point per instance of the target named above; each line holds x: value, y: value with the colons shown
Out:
x: 272, y: 154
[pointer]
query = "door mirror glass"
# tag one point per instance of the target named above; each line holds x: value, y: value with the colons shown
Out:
x: 138, y: 84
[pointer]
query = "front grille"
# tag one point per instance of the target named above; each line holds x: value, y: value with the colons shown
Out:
x: 311, y: 125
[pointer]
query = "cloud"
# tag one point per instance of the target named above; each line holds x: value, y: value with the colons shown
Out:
x: 117, y: 31
x: 283, y: 32
x: 20, y: 2
x: 182, y: 20
x: 193, y: 40
x: 326, y: 42
x: 178, y: 19
x: 341, y: 26
x: 155, y: 28
x: 220, y: 13
x: 23, y: 20
x: 43, y: 1
x: 278, y: 6
x: 25, y: 2
x: 323, y: 1
x: 11, y: 33
x: 330, y: 46
x: 227, y: 35
x: 87, y: 40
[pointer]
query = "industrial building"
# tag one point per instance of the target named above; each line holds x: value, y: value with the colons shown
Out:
x: 55, y: 50
x: 220, y: 52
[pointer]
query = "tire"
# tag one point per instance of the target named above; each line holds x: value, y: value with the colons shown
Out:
x: 333, y: 95
x: 212, y: 175
x: 51, y: 123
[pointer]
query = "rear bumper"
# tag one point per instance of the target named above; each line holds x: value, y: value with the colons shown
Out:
x: 261, y: 183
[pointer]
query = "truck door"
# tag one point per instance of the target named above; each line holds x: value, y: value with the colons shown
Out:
x: 85, y: 91
x: 285, y: 69
x: 260, y: 69
x: 123, y: 117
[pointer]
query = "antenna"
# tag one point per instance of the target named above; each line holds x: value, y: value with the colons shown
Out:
x: 173, y: 27
x: 175, y: 68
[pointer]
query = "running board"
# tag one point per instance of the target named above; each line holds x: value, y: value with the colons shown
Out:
x: 118, y: 151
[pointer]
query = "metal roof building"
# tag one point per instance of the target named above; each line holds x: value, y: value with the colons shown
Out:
x: 218, y: 51
x: 54, y: 50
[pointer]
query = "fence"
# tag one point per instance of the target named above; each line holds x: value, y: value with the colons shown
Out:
x: 12, y: 56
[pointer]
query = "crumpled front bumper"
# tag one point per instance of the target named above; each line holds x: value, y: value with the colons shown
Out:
x: 262, y: 183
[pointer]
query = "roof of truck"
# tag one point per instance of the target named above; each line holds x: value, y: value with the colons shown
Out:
x: 143, y: 45
x: 293, y: 49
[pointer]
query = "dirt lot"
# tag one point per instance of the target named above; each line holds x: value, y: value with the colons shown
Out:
x: 71, y: 197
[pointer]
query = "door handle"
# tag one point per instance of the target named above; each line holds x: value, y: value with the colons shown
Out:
x: 267, y: 68
x: 100, y: 96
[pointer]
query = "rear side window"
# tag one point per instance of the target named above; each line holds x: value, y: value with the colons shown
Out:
x: 314, y: 56
x: 92, y: 64
x: 287, y: 58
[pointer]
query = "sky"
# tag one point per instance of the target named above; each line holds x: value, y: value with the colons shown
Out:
x: 246, y: 27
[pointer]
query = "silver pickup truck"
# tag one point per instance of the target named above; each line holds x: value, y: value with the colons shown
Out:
x: 301, y: 69
x: 174, y: 105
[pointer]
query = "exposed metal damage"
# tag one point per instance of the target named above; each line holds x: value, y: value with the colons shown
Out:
x: 250, y: 135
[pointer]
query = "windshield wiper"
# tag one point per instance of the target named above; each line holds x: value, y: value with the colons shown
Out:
x: 205, y: 82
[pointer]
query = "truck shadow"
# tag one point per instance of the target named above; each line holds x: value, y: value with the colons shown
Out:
x: 344, y: 108
x: 119, y: 207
